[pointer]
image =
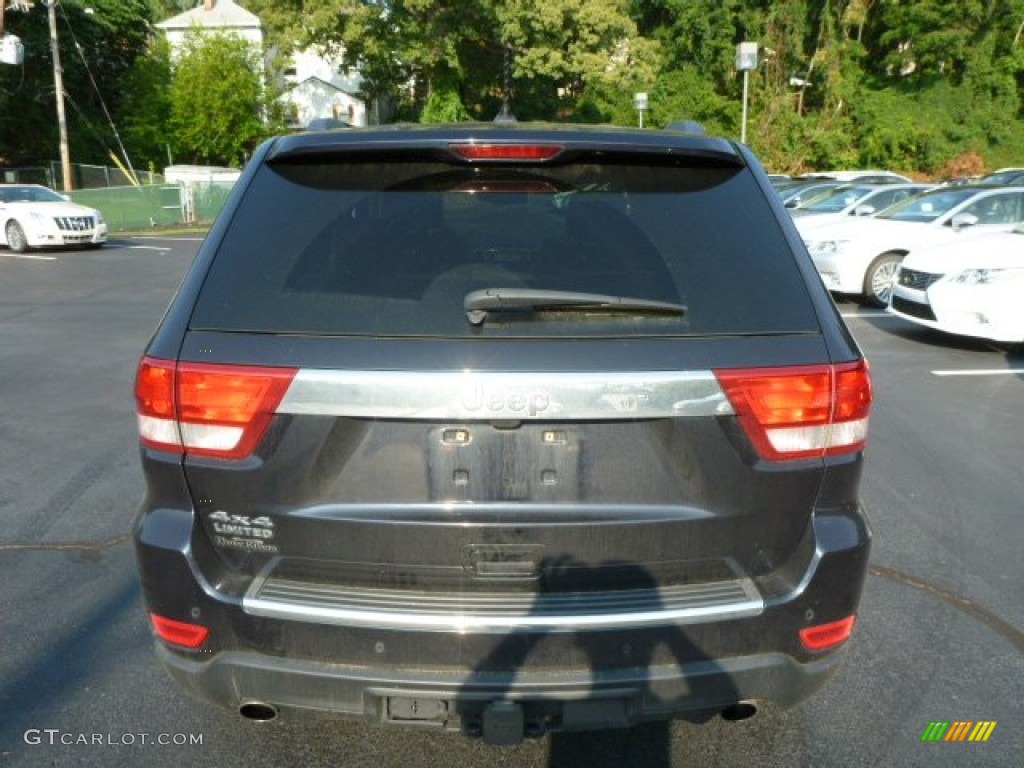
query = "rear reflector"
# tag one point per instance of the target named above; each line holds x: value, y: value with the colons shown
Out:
x: 825, y: 636
x: 506, y: 151
x: 207, y: 410
x: 801, y: 412
x: 179, y: 632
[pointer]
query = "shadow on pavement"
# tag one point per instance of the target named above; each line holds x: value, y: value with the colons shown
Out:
x: 620, y: 674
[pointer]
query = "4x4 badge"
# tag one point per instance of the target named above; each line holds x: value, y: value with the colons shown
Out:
x: 242, y: 525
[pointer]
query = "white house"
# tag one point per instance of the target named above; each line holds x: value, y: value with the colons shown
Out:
x: 216, y: 16
x: 320, y: 86
x: 314, y: 86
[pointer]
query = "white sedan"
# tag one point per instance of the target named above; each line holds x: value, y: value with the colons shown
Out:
x: 32, y: 216
x: 969, y: 288
x: 851, y: 200
x: 860, y: 256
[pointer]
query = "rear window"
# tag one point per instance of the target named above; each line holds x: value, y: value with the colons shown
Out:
x: 393, y: 248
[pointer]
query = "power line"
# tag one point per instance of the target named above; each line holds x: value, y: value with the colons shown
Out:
x: 103, y: 104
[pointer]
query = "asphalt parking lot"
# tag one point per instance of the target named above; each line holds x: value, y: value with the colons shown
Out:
x: 940, y: 636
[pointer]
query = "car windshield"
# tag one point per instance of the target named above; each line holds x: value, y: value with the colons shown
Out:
x: 928, y: 206
x: 29, y: 194
x: 836, y: 199
x: 1004, y: 177
x: 808, y: 191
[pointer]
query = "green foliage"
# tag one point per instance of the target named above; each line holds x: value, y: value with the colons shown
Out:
x: 444, y: 106
x: 146, y: 105
x: 575, y: 43
x: 699, y: 34
x: 908, y: 84
x: 98, y: 43
x: 217, y: 99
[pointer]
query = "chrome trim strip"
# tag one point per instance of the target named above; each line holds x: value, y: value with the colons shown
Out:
x: 493, y: 395
x: 738, y: 600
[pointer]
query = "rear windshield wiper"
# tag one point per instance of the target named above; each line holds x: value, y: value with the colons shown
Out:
x: 479, y: 303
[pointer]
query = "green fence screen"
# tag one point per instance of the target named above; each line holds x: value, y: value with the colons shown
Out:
x: 135, y: 207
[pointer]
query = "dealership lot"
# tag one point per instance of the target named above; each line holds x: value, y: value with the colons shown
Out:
x: 940, y: 634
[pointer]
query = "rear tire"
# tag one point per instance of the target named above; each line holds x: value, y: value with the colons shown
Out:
x: 16, y: 239
x: 878, y: 279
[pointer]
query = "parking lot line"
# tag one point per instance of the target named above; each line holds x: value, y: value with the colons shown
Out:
x: 983, y: 372
x: 173, y: 238
x: 29, y: 256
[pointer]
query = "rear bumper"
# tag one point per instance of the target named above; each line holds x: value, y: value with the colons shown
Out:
x: 577, y: 679
x: 451, y: 700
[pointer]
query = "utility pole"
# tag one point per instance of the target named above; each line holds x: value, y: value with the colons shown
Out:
x: 58, y: 84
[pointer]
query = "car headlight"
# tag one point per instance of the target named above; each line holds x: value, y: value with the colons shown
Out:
x: 825, y: 247
x: 39, y: 218
x: 99, y: 217
x: 987, y: 276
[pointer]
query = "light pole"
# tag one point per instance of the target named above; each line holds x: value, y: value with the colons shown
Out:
x: 640, y: 104
x: 746, y: 60
x: 58, y: 84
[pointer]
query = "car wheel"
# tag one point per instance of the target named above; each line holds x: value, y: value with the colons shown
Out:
x: 16, y: 239
x: 878, y: 279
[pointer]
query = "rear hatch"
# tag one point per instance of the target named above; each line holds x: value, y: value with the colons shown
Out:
x: 534, y: 384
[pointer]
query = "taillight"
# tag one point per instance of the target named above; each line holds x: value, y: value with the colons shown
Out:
x: 801, y: 412
x: 154, y: 399
x: 204, y: 409
x: 179, y: 632
x: 825, y: 636
x: 535, y: 152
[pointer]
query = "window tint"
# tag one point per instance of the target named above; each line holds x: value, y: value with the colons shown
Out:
x: 884, y: 199
x: 392, y: 249
x: 29, y: 195
x: 927, y: 207
x: 837, y: 199
x: 997, y: 209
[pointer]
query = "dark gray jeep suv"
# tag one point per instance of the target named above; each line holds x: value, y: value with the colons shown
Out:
x: 502, y: 429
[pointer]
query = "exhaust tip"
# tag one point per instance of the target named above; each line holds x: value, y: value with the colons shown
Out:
x: 741, y: 710
x: 258, y: 711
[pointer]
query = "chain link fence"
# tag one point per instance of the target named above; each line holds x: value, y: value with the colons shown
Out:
x: 194, y: 198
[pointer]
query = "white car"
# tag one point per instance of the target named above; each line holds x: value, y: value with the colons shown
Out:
x: 849, y: 200
x: 868, y: 176
x: 860, y: 256
x: 33, y: 216
x: 970, y: 288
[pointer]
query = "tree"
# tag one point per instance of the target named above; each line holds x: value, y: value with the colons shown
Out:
x: 929, y: 37
x: 699, y: 35
x: 575, y: 43
x: 218, y: 102
x: 409, y: 50
x: 908, y: 84
x: 98, y: 43
x: 145, y: 104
